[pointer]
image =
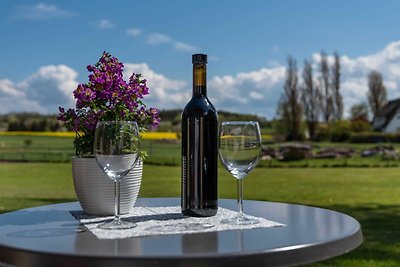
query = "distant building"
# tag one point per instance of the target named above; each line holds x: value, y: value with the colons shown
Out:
x: 388, y: 119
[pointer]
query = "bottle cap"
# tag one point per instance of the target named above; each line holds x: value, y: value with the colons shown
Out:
x: 199, y: 58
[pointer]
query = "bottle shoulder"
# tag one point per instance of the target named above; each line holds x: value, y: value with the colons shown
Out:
x: 199, y: 105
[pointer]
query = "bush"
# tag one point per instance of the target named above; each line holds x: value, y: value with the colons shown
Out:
x: 322, y: 133
x: 359, y: 125
x: 340, y: 131
x: 375, y: 137
x: 293, y: 154
x: 28, y: 142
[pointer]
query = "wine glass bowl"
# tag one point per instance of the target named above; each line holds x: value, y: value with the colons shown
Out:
x: 116, y: 149
x: 239, y: 151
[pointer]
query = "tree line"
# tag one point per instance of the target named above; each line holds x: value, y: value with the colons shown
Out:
x: 170, y: 121
x: 317, y: 98
x: 29, y: 121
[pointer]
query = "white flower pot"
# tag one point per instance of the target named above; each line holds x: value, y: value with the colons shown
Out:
x: 95, y: 191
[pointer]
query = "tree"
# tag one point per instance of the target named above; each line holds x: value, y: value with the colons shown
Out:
x: 358, y: 111
x: 327, y: 96
x: 338, y: 100
x: 377, y: 96
x: 359, y: 118
x: 311, y: 99
x: 290, y: 107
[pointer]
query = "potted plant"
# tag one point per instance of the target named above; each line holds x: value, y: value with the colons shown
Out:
x: 105, y: 97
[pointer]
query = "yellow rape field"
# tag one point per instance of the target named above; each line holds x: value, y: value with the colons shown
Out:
x: 147, y: 135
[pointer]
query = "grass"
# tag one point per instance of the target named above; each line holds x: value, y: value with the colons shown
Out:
x: 164, y: 151
x: 33, y: 184
x: 358, y: 186
x: 371, y: 195
x: 39, y: 148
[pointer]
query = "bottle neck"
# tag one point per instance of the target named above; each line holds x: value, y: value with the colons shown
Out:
x: 199, y: 79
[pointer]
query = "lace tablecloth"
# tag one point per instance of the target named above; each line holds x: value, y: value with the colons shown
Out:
x: 165, y: 221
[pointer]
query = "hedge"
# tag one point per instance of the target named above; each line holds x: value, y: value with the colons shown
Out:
x: 375, y: 137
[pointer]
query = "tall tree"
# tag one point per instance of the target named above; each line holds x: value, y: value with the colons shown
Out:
x: 290, y: 107
x: 311, y: 99
x: 377, y: 95
x: 359, y: 117
x: 359, y: 111
x: 327, y: 96
x: 338, y: 100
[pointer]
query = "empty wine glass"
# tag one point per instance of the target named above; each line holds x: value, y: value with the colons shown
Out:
x: 239, y: 150
x: 116, y: 149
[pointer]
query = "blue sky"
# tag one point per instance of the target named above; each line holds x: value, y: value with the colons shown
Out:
x: 46, y: 46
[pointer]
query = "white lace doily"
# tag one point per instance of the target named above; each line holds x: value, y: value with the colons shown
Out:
x: 165, y: 221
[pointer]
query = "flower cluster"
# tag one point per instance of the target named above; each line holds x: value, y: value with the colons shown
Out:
x: 107, y: 96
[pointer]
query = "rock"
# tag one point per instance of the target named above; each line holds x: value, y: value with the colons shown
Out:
x: 335, y: 152
x: 381, y: 150
x: 295, y: 151
x: 368, y: 153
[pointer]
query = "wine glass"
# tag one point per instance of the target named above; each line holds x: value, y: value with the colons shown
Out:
x: 239, y: 151
x: 116, y: 149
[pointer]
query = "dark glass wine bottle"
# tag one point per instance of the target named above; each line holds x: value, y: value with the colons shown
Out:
x: 199, y: 196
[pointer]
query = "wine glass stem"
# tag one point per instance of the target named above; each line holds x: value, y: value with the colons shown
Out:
x: 117, y: 201
x: 240, y: 196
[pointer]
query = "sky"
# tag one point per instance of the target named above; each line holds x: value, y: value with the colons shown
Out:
x: 46, y: 45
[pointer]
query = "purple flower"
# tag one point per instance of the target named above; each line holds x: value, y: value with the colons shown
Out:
x: 106, y: 96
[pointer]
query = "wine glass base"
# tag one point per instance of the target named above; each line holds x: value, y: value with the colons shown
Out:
x: 240, y: 220
x: 116, y: 225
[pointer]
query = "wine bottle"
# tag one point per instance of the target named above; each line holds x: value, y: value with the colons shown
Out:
x: 199, y: 196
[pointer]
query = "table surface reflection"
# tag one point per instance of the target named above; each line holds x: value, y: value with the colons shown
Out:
x: 51, y: 236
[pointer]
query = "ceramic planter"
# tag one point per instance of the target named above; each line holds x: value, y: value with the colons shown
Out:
x: 95, y: 191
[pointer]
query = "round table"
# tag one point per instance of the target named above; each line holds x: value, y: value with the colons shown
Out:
x: 51, y: 236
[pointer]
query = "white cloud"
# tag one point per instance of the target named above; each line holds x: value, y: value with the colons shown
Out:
x: 184, y: 47
x: 158, y: 38
x: 43, y: 91
x: 52, y: 86
x: 354, y: 73
x: 7, y: 89
x: 164, y: 92
x: 256, y: 95
x: 256, y: 92
x: 14, y: 100
x: 238, y: 93
x: 135, y: 32
x: 41, y: 11
x: 105, y: 24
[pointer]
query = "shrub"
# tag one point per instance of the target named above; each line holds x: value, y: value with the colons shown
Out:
x: 322, y: 133
x: 375, y: 137
x: 28, y: 142
x: 293, y: 154
x: 340, y: 131
x: 359, y: 125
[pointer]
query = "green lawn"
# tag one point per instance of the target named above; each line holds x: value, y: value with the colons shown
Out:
x: 371, y: 195
x: 60, y: 149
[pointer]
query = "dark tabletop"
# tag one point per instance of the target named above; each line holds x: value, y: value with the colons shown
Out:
x: 51, y: 236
